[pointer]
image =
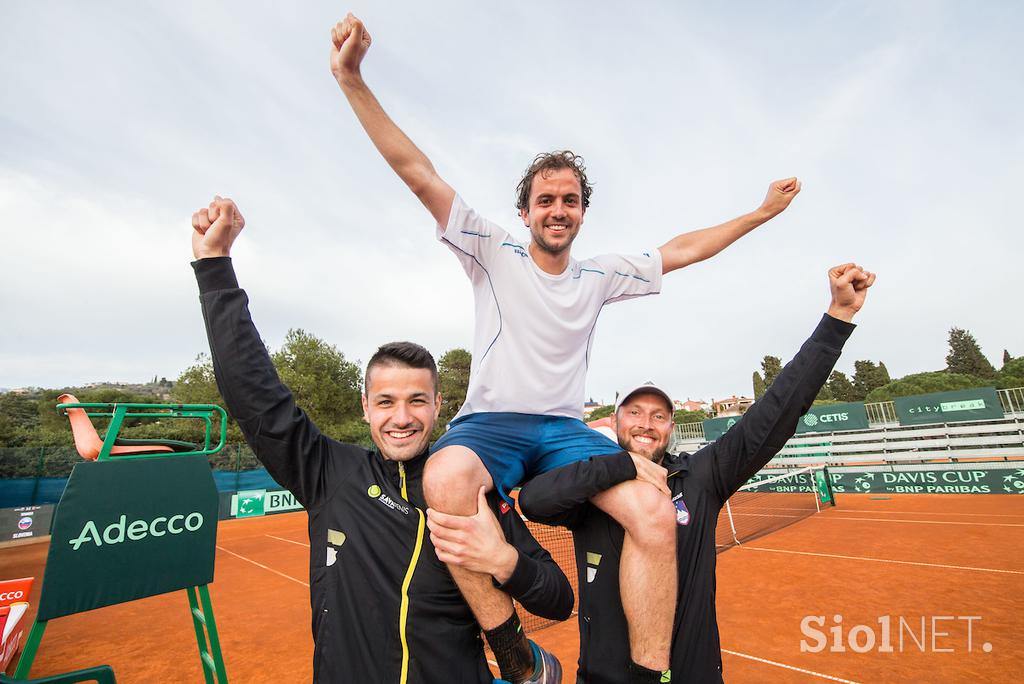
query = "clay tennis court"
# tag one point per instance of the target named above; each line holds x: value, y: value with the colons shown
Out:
x: 955, y: 561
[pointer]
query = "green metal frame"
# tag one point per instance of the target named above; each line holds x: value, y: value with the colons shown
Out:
x: 119, y: 412
x: 207, y: 639
x: 200, y: 607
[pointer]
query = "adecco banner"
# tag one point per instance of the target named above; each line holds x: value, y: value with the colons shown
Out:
x: 981, y: 403
x: 25, y: 522
x: 834, y: 418
x: 13, y: 606
x: 931, y: 481
x: 127, y: 529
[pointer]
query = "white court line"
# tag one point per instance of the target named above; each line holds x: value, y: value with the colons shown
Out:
x: 249, y: 560
x: 790, y: 667
x: 927, y: 522
x: 883, y: 560
x: 983, y: 515
x: 290, y: 541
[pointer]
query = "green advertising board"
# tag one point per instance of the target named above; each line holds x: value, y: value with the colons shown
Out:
x: 980, y: 403
x: 834, y: 418
x: 130, y: 528
x: 827, y: 418
x: 716, y: 427
x: 930, y: 481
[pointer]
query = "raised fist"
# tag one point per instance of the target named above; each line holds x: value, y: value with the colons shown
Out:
x: 780, y: 194
x: 849, y: 284
x: 349, y: 42
x: 214, y: 228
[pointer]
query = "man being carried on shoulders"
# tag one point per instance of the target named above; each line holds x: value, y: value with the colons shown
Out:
x: 536, y: 309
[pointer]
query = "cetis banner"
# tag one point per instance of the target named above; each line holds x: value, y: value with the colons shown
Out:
x: 716, y: 427
x: 130, y: 528
x: 834, y: 418
x: 981, y: 403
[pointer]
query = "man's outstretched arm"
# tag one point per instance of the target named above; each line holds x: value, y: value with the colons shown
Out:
x: 349, y: 43
x: 772, y: 420
x: 698, y: 245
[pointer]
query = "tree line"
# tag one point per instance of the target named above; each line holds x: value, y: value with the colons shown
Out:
x: 326, y: 385
x: 966, y: 367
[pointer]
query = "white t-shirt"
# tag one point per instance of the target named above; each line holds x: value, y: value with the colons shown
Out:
x: 533, y: 331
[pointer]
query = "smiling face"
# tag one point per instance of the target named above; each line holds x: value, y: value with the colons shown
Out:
x: 643, y: 425
x: 555, y: 211
x: 401, y: 405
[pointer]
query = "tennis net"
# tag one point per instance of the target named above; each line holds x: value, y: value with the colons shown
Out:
x: 770, y: 502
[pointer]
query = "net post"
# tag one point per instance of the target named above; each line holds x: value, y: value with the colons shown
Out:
x: 732, y: 525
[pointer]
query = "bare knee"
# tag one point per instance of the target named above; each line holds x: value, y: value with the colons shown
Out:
x: 452, y: 478
x: 646, y: 514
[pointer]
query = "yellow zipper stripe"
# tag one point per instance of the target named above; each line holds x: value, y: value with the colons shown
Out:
x: 403, y: 614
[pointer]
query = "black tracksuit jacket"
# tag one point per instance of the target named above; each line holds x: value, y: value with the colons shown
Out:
x: 703, y: 480
x: 385, y: 610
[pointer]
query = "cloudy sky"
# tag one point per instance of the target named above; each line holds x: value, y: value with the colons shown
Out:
x: 119, y: 119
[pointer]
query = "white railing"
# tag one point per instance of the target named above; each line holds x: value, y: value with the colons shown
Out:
x: 887, y: 441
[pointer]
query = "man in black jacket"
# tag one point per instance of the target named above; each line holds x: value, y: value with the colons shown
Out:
x: 385, y: 609
x: 700, y: 485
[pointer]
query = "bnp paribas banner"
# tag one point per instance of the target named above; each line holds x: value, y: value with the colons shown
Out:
x: 834, y: 418
x: 931, y: 481
x: 981, y: 403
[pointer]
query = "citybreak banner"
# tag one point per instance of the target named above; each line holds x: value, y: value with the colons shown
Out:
x: 981, y: 403
x: 834, y: 418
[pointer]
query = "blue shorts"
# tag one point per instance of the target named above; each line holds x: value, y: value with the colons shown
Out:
x: 515, y: 447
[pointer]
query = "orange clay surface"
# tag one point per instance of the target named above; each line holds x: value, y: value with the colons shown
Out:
x: 944, y: 558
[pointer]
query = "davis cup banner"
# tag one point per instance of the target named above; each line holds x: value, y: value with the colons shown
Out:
x: 980, y: 403
x: 932, y: 481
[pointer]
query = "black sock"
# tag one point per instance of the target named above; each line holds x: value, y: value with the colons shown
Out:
x: 511, y: 649
x: 638, y: 674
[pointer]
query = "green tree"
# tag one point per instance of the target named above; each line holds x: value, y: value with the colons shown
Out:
x: 759, y: 386
x: 824, y: 395
x: 452, y: 382
x: 841, y: 387
x: 601, y: 412
x: 925, y: 383
x: 19, y: 420
x: 965, y: 355
x: 681, y: 417
x: 1011, y: 374
x: 1006, y: 357
x: 325, y: 385
x: 867, y: 376
x: 771, y: 367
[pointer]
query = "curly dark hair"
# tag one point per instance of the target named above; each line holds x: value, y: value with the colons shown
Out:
x: 402, y: 354
x: 552, y: 161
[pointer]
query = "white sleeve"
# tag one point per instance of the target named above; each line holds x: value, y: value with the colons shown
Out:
x: 630, y: 276
x: 473, y: 239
